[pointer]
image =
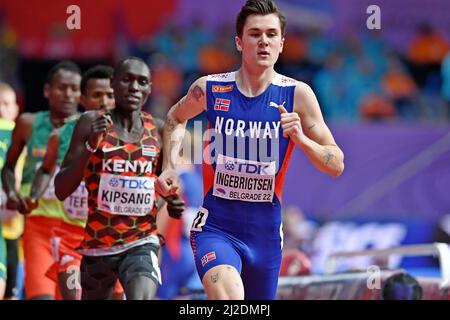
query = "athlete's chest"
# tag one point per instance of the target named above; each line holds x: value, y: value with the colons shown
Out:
x: 119, y: 156
x: 232, y: 111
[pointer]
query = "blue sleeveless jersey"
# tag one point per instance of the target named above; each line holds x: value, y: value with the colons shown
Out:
x: 245, y: 158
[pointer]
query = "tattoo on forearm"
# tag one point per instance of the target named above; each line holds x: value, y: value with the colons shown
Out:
x: 328, y: 156
x: 215, y: 278
x: 197, y: 93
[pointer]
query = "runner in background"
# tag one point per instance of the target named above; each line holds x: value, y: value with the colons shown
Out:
x: 96, y: 94
x: 62, y: 89
x: 11, y: 220
x: 118, y: 156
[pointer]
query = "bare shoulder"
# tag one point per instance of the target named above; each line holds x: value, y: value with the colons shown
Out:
x: 87, y: 118
x: 305, y: 101
x: 24, y: 126
x: 198, y: 87
x: 196, y: 96
x: 89, y: 115
x: 26, y: 119
x: 303, y: 90
x: 191, y: 105
x: 201, y: 81
x: 159, y: 123
x: 84, y: 122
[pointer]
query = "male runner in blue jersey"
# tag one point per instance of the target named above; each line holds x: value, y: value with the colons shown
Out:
x: 256, y: 117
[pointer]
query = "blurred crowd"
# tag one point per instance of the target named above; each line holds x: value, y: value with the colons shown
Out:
x: 356, y: 76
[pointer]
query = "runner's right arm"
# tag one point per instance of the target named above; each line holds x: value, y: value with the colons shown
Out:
x: 191, y: 105
x: 44, y: 174
x: 21, y: 134
x: 89, y: 130
x: 175, y: 205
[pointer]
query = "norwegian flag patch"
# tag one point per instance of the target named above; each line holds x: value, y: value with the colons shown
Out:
x: 210, y: 256
x: 222, y: 104
x: 149, y: 151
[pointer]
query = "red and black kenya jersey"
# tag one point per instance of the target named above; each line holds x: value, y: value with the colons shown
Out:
x: 120, y: 180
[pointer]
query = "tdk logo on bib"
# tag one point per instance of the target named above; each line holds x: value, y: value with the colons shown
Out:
x: 229, y: 165
x: 245, y: 180
x: 124, y: 195
x: 249, y: 167
x: 130, y: 183
x: 114, y: 182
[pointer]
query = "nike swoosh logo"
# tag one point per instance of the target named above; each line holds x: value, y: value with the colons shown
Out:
x: 106, y: 149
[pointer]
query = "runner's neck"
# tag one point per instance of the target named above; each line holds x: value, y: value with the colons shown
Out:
x: 130, y: 128
x: 252, y: 84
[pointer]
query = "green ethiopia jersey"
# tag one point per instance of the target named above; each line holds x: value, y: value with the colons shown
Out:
x: 6, y: 127
x: 49, y: 205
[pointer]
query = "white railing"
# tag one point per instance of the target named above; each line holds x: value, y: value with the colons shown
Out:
x: 437, y: 249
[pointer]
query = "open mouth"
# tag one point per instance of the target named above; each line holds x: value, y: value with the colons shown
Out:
x: 263, y: 54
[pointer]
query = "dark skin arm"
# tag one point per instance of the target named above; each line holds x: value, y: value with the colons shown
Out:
x: 44, y: 174
x: 90, y: 127
x: 20, y: 137
x: 160, y: 126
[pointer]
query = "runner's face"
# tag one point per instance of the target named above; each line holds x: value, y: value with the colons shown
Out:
x: 132, y: 85
x: 262, y: 41
x: 63, y: 93
x: 8, y: 106
x: 99, y: 95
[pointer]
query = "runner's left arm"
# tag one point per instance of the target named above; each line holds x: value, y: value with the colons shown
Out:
x: 308, y: 130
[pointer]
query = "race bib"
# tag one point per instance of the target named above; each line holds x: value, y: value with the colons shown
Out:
x: 132, y: 196
x: 76, y: 204
x: 245, y: 180
x: 49, y: 193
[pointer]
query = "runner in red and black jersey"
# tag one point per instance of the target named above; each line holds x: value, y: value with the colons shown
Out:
x: 118, y: 156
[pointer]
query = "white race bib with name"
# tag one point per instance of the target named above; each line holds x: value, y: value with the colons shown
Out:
x: 121, y: 195
x: 244, y: 180
x: 76, y: 204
